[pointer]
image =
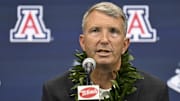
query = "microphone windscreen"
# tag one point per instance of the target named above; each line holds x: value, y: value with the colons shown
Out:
x: 89, y: 64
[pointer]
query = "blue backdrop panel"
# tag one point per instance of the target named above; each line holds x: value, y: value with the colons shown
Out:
x: 24, y: 67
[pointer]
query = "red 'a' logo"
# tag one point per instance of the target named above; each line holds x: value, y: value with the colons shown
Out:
x: 30, y: 26
x: 139, y: 27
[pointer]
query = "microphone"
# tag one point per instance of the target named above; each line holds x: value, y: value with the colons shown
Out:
x: 88, y: 91
x: 89, y: 65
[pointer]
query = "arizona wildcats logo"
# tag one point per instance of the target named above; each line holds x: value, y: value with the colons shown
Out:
x: 174, y: 82
x: 30, y: 26
x: 139, y: 28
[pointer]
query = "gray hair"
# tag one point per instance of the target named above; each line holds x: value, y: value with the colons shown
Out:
x: 109, y: 9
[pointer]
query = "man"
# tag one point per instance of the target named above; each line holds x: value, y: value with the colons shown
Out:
x: 104, y: 39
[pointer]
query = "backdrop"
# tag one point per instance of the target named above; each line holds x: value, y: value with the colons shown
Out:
x: 28, y: 60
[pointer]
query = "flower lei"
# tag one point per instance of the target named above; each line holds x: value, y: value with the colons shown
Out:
x: 123, y: 84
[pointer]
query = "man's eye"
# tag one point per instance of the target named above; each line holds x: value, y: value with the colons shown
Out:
x: 114, y: 31
x: 95, y: 30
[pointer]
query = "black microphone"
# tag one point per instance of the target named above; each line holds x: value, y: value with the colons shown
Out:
x: 89, y: 65
x: 88, y: 91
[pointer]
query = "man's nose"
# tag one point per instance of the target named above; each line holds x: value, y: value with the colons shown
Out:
x: 104, y: 37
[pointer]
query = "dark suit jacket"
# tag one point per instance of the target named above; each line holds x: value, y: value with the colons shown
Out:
x: 148, y: 89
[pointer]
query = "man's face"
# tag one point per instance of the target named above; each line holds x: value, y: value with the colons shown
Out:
x: 104, y: 39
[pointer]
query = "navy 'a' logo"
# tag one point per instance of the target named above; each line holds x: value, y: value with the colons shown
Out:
x: 30, y: 26
x: 139, y: 27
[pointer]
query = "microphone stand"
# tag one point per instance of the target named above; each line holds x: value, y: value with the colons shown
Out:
x: 88, y: 79
x: 88, y: 72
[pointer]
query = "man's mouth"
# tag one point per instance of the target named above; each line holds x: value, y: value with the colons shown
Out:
x: 103, y: 52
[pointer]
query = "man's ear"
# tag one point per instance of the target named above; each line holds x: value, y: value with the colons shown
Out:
x: 126, y: 45
x: 81, y: 41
